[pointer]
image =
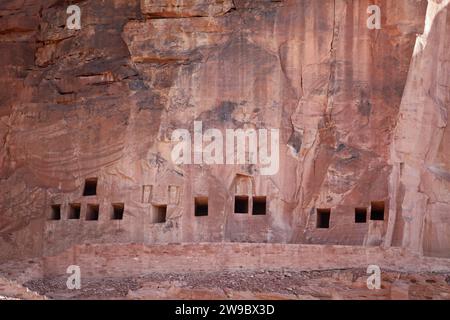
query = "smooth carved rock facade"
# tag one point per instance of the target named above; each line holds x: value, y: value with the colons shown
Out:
x: 86, y: 119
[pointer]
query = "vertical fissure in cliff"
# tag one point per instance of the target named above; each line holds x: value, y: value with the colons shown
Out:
x: 332, y: 77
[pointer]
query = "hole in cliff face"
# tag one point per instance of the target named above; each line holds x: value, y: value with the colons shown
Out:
x: 160, y: 214
x: 259, y: 206
x: 92, y: 212
x: 323, y: 218
x: 360, y: 215
x: 90, y: 187
x: 74, y: 211
x: 118, y: 209
x: 241, y: 204
x: 201, y: 206
x: 377, y: 211
x: 295, y: 142
x: 55, y: 213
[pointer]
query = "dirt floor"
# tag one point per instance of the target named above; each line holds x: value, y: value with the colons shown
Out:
x: 332, y: 284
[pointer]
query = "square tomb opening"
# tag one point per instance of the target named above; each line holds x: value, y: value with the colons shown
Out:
x: 201, y: 206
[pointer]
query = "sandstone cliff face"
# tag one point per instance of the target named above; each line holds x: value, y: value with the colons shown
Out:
x: 420, y: 178
x: 102, y: 102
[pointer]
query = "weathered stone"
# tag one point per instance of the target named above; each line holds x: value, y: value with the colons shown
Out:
x: 362, y: 125
x: 185, y: 8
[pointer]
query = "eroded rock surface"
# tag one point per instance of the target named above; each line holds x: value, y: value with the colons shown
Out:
x: 420, y: 148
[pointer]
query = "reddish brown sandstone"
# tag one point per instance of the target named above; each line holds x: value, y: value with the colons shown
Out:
x: 362, y: 116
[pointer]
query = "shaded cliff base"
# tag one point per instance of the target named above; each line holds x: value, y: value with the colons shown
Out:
x: 230, y: 271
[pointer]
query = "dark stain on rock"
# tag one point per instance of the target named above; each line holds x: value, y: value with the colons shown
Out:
x: 251, y: 169
x: 225, y: 110
x: 364, y: 105
x: 150, y: 101
x: 136, y: 85
x: 295, y: 141
x: 340, y: 147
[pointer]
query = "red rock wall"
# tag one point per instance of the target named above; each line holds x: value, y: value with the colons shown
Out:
x: 103, y: 101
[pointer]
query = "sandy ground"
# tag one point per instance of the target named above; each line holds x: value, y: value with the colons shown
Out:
x: 332, y: 284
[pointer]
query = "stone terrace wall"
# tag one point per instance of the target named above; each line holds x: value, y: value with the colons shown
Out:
x: 134, y: 260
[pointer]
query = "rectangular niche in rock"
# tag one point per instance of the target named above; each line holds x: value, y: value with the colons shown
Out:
x: 201, y: 206
x: 377, y: 211
x: 259, y: 206
x: 90, y: 187
x: 55, y: 213
x: 360, y: 215
x: 74, y: 211
x: 117, y: 211
x: 323, y: 218
x: 241, y: 204
x: 92, y: 212
x: 159, y: 214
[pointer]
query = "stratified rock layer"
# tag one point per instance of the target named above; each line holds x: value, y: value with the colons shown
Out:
x: 102, y: 102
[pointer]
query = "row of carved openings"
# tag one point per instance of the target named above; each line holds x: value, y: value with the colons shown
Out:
x: 92, y: 210
x: 376, y: 214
